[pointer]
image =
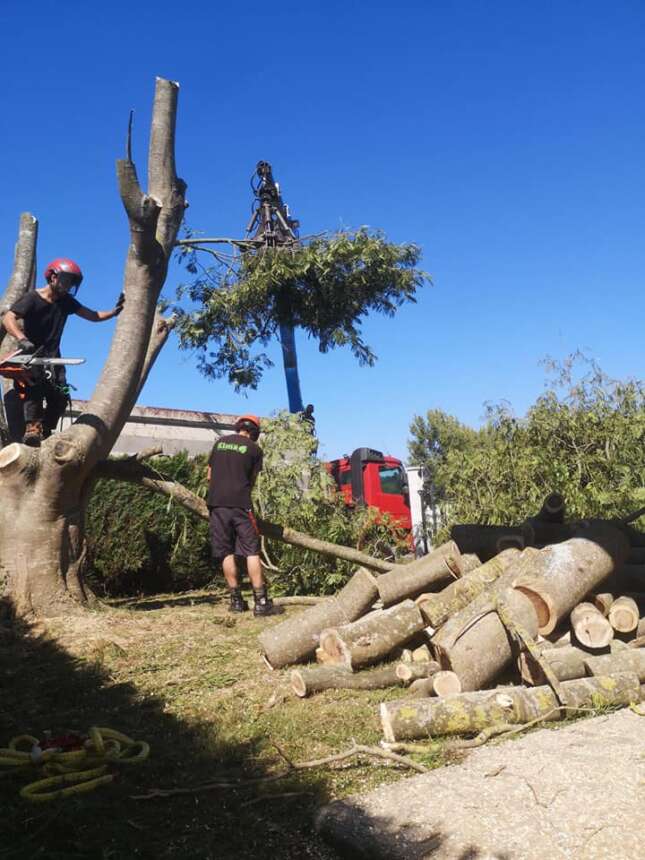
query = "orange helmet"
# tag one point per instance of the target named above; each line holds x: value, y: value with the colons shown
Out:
x: 250, y: 423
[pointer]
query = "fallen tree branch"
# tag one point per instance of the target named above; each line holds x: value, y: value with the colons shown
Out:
x: 355, y: 749
x: 137, y: 472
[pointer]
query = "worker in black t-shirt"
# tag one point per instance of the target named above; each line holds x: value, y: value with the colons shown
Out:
x: 233, y: 466
x: 43, y: 314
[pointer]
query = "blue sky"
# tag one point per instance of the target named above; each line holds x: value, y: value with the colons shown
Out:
x: 506, y: 138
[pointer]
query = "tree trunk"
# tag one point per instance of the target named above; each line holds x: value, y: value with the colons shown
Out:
x: 590, y: 627
x: 372, y: 638
x: 409, y: 580
x: 472, y: 712
x: 44, y: 491
x: 629, y: 660
x: 567, y: 663
x: 624, y: 615
x: 318, y: 678
x: 437, y: 608
x: 479, y: 650
x: 297, y: 638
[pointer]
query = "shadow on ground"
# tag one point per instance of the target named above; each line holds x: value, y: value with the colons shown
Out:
x: 42, y: 687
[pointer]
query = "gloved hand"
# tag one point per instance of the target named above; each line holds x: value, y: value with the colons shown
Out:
x: 119, y: 304
x: 26, y: 345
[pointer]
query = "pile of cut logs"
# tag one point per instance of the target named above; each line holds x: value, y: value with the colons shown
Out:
x: 549, y: 611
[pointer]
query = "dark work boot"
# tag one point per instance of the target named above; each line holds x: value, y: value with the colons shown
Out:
x: 263, y: 603
x: 238, y: 603
x: 33, y: 434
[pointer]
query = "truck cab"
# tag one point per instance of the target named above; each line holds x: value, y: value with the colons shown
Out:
x: 368, y: 477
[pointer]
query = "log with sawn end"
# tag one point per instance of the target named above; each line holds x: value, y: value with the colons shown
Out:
x: 408, y: 580
x: 315, y: 679
x: 374, y: 637
x: 442, y: 683
x: 297, y: 637
x: 566, y: 663
x: 471, y: 712
x: 629, y: 660
x: 623, y: 614
x: 590, y: 627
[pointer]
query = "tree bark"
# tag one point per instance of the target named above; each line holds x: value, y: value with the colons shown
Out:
x: 297, y: 638
x: 371, y: 639
x: 437, y: 608
x: 316, y: 679
x: 44, y: 491
x: 629, y: 660
x: 567, y: 663
x: 474, y: 711
x: 470, y: 562
x: 410, y: 672
x: 624, y: 615
x: 409, y: 580
x: 590, y: 627
x: 479, y: 650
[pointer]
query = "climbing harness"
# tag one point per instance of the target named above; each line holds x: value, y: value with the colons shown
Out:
x: 72, y: 763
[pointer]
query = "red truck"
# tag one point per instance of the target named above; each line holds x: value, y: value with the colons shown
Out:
x: 368, y: 477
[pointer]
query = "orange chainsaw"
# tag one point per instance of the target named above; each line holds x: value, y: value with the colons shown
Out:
x: 16, y: 365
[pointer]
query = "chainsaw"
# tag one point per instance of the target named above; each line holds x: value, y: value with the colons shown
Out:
x: 15, y: 365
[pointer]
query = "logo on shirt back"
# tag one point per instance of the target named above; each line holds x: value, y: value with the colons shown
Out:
x: 232, y: 446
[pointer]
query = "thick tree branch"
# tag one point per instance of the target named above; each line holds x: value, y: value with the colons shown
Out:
x: 136, y: 472
x: 154, y: 220
x: 23, y: 275
x: 161, y: 328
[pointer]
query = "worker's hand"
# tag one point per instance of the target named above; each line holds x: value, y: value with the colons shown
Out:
x: 119, y: 304
x: 26, y: 345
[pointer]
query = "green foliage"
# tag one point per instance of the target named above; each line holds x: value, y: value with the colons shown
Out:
x: 325, y: 287
x: 140, y: 542
x: 584, y: 438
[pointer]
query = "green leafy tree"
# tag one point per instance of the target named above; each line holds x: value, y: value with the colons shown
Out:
x: 326, y: 287
x: 584, y: 437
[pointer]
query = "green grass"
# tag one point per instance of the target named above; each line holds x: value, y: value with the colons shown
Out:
x: 187, y: 678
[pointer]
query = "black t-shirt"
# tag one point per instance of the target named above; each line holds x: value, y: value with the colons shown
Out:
x: 43, y: 321
x: 234, y: 462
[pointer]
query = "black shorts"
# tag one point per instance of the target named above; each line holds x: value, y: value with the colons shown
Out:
x: 233, y: 531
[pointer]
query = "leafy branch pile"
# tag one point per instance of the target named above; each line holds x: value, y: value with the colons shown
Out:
x: 326, y: 287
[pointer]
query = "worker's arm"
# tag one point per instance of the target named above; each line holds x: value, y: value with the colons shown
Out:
x: 100, y: 316
x: 12, y: 325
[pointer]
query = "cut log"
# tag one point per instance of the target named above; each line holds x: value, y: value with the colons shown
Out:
x: 566, y: 663
x: 471, y: 712
x: 470, y: 561
x: 561, y: 575
x: 410, y: 672
x: 590, y: 627
x: 421, y: 654
x: 629, y: 660
x: 437, y: 608
x: 306, y: 681
x: 603, y: 602
x: 481, y: 647
x: 371, y: 639
x: 623, y: 614
x: 297, y: 638
x: 443, y: 563
x: 439, y: 684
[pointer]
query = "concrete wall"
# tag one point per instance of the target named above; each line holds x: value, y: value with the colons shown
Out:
x: 173, y: 429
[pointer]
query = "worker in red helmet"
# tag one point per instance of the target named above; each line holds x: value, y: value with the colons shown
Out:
x: 233, y: 467
x: 36, y: 321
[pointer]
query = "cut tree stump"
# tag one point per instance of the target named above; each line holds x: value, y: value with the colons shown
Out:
x: 471, y: 712
x: 629, y: 660
x: 305, y: 681
x: 624, y: 615
x: 409, y: 580
x: 437, y: 608
x: 567, y: 663
x: 297, y: 638
x: 480, y: 648
x: 590, y: 627
x: 374, y: 637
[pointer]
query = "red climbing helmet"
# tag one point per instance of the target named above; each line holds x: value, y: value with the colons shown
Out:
x: 63, y: 264
x: 250, y: 423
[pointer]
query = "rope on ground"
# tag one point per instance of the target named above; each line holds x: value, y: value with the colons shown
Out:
x: 72, y: 764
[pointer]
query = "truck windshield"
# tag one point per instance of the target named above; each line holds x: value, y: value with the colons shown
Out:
x: 391, y: 480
